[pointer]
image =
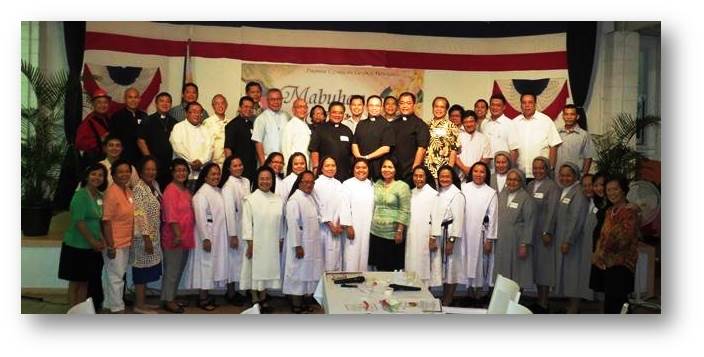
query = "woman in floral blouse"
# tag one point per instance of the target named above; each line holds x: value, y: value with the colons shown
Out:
x: 617, y: 249
x: 145, y: 252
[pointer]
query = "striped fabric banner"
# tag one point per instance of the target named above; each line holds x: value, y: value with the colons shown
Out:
x: 518, y: 53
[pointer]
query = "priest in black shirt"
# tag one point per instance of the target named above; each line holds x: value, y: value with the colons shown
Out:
x: 334, y: 139
x: 238, y: 138
x: 153, y: 137
x: 373, y: 138
x: 124, y: 123
x: 412, y: 137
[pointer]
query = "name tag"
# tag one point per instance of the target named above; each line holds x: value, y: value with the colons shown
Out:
x: 440, y: 132
x: 566, y: 200
x: 513, y: 205
x: 344, y: 138
x: 538, y: 195
x: 99, y: 202
x: 595, y: 210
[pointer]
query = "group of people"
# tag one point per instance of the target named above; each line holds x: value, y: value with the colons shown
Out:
x: 269, y: 200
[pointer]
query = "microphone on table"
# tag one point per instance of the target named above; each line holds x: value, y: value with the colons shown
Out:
x: 356, y: 279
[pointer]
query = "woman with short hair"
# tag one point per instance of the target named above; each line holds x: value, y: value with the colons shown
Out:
x: 616, y: 252
x: 80, y: 260
x: 145, y: 252
x: 207, y: 264
x: 118, y: 227
x: 177, y: 232
x: 263, y: 231
x: 392, y: 211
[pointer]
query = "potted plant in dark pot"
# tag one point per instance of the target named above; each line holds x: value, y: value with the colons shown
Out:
x: 43, y: 146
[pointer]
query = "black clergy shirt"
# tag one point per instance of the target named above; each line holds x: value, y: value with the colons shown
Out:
x: 334, y: 140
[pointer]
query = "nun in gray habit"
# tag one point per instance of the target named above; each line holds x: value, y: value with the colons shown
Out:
x: 498, y: 179
x: 573, y: 271
x: 516, y: 221
x: 546, y: 195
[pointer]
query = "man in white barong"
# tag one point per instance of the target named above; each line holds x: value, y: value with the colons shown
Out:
x: 448, y: 216
x: 262, y: 228
x: 216, y: 124
x: 295, y: 136
x: 302, y: 247
x: 192, y: 141
x: 266, y: 132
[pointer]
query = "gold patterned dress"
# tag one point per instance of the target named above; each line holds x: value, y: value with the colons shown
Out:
x: 443, y: 140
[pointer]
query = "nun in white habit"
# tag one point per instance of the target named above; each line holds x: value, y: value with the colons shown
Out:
x: 569, y: 238
x: 502, y: 163
x: 304, y: 258
x: 207, y: 265
x: 296, y: 164
x: 356, y: 213
x: 419, y: 258
x: 449, y: 211
x: 514, y: 242
x: 262, y: 230
x: 480, y: 224
x: 234, y: 189
x: 329, y: 196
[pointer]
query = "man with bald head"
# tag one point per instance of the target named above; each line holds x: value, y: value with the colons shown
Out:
x: 124, y: 124
x: 295, y: 136
x: 216, y: 124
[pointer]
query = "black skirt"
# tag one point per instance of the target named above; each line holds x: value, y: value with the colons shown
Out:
x: 77, y: 264
x: 385, y: 254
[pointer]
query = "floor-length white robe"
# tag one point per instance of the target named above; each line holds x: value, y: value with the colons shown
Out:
x: 208, y: 270
x: 234, y: 191
x: 481, y: 202
x: 419, y: 259
x: 451, y: 205
x: 283, y: 189
x: 328, y: 194
x: 262, y: 223
x: 303, y: 229
x: 357, y: 208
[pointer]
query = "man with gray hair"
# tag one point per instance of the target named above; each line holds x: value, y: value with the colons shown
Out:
x: 268, y: 125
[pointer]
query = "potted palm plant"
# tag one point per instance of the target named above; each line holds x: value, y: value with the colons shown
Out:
x: 616, y: 152
x: 42, y: 147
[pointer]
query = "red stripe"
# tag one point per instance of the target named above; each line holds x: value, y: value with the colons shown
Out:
x: 335, y: 56
x: 554, y: 109
x: 151, y: 91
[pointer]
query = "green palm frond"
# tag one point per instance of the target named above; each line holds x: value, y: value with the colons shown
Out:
x: 616, y: 154
x: 43, y: 143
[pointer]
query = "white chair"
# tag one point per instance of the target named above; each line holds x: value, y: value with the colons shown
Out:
x: 498, y: 303
x: 84, y: 308
x: 510, y: 287
x: 254, y: 310
x: 515, y: 308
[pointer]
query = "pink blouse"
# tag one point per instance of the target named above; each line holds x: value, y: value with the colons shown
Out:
x: 177, y: 207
